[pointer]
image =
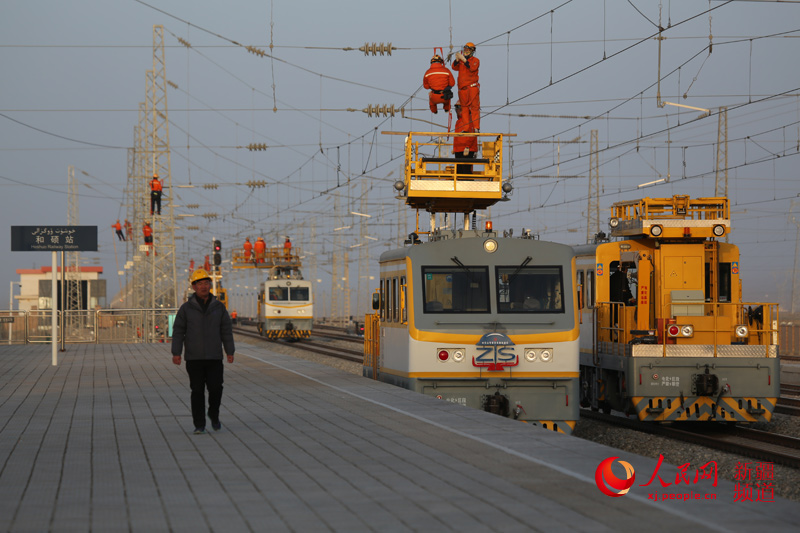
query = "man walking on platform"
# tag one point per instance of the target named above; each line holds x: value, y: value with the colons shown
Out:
x: 203, y: 327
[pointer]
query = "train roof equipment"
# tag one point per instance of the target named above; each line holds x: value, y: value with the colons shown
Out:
x: 433, y: 181
x: 679, y: 217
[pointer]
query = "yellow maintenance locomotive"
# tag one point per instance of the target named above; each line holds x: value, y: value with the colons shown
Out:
x: 664, y: 332
x: 473, y: 316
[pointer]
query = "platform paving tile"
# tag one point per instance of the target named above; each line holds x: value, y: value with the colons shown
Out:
x: 103, y: 442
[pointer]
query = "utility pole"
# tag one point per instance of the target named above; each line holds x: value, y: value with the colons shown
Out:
x: 337, y: 246
x: 796, y: 253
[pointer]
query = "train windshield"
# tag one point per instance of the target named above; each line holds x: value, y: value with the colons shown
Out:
x: 455, y: 289
x: 537, y: 289
x: 278, y: 294
x: 298, y: 294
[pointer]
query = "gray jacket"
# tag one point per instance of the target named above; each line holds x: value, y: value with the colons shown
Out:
x: 202, y: 333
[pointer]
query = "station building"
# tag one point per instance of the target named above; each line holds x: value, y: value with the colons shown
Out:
x: 35, y: 288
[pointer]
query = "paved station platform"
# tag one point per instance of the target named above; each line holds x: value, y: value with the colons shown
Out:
x: 103, y: 442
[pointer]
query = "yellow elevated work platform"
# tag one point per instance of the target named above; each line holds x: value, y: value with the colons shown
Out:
x: 671, y: 218
x: 274, y: 256
x: 437, y: 182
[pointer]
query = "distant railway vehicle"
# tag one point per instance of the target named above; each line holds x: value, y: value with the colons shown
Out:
x: 471, y: 317
x: 664, y: 332
x: 285, y: 299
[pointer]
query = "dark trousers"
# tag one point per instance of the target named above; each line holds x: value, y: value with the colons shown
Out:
x: 205, y: 374
x: 464, y: 169
x: 155, y: 201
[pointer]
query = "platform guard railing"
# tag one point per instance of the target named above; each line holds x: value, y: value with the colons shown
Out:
x: 83, y: 326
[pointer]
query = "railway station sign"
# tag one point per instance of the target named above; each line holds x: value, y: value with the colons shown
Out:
x: 53, y: 238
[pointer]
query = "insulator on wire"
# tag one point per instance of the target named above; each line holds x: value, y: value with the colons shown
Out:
x: 210, y: 185
x: 172, y: 84
x: 378, y: 110
x: 376, y: 49
x: 257, y: 184
x: 257, y: 147
x: 184, y: 42
x: 256, y: 51
x: 193, y: 228
x: 209, y: 215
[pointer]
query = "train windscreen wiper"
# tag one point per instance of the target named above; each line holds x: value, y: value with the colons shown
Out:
x: 520, y: 267
x: 463, y: 267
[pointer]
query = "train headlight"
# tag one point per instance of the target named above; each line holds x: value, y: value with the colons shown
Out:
x: 719, y: 230
x: 656, y: 230
x: 687, y: 331
x: 490, y: 245
x: 530, y: 355
x: 546, y: 356
x: 742, y: 331
x: 443, y: 355
x: 613, y: 222
x: 458, y: 355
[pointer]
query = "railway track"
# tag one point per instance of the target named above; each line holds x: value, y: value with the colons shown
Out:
x: 315, y: 346
x: 756, y: 444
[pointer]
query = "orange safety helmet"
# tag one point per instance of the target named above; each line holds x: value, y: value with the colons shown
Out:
x: 155, y: 175
x: 437, y: 59
x: 470, y: 46
x: 198, y: 275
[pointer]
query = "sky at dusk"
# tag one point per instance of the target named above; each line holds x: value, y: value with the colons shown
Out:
x: 74, y: 75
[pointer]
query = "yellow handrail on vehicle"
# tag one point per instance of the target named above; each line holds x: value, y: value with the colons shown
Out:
x: 437, y: 182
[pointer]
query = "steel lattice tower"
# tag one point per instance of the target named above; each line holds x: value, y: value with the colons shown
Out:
x: 74, y: 294
x: 152, y: 279
x: 721, y: 180
x: 362, y: 292
x: 593, y: 209
x: 336, y: 285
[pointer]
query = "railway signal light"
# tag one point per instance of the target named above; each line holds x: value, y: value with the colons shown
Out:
x: 217, y: 249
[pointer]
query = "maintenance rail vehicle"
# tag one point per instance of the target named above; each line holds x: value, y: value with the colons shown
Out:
x: 285, y: 299
x: 678, y: 343
x: 470, y: 316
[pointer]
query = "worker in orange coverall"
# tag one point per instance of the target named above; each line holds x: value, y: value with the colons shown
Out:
x: 287, y: 249
x: 439, y: 81
x: 248, y: 249
x: 147, y: 231
x: 118, y: 228
x: 260, y: 248
x: 469, y: 90
x: 464, y: 147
